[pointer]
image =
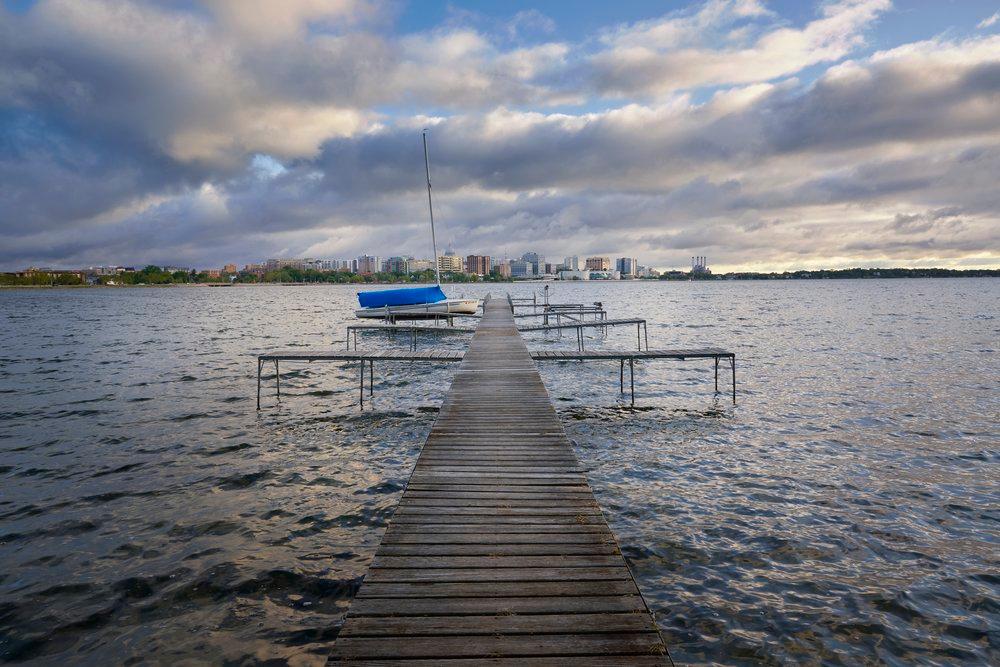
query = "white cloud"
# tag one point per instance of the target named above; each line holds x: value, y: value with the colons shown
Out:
x: 989, y: 21
x: 681, y: 52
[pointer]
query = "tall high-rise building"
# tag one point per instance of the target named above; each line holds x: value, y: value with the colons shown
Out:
x: 627, y: 266
x: 368, y: 264
x: 520, y: 268
x: 572, y: 263
x: 537, y: 262
x: 598, y: 264
x: 450, y: 263
x: 477, y: 264
x: 397, y: 265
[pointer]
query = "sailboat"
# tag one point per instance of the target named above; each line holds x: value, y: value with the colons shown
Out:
x: 411, y: 303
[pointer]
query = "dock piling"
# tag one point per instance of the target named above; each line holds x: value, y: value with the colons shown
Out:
x: 732, y: 362
x: 260, y: 364
x: 631, y: 377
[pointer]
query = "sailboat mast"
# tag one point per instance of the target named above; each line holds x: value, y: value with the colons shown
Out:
x: 430, y: 207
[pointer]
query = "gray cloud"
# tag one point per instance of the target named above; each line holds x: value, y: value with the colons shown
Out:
x: 129, y: 133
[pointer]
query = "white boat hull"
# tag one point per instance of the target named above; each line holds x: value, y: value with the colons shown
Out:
x: 422, y: 310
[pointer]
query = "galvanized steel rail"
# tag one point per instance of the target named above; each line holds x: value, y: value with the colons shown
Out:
x: 364, y: 358
x: 631, y: 357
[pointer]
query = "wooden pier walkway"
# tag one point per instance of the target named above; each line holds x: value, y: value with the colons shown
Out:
x: 498, y: 552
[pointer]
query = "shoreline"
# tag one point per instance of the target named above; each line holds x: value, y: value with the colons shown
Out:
x: 516, y: 282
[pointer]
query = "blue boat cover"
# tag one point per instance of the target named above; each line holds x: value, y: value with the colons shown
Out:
x: 407, y: 296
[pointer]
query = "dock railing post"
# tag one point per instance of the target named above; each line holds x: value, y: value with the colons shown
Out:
x: 361, y: 386
x: 371, y: 377
x: 645, y: 333
x: 621, y: 376
x: 716, y: 375
x: 631, y: 377
x: 260, y: 364
x: 277, y: 378
x: 732, y: 361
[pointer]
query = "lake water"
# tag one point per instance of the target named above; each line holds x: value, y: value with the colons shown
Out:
x: 847, y: 510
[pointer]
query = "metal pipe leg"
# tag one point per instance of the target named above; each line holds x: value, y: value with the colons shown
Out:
x: 355, y: 340
x: 631, y: 377
x: 645, y: 333
x: 621, y: 377
x: 371, y: 377
x: 638, y: 337
x: 733, y: 363
x: 259, y: 365
x: 277, y: 378
x: 716, y: 375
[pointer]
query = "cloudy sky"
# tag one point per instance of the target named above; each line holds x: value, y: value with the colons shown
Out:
x: 765, y: 135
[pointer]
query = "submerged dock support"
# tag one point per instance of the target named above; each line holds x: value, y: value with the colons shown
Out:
x: 715, y: 354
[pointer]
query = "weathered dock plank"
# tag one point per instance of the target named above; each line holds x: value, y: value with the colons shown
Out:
x: 498, y: 552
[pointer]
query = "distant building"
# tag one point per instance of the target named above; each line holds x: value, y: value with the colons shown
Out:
x: 574, y: 275
x: 647, y: 272
x: 537, y: 262
x: 550, y: 269
x: 572, y: 263
x: 278, y: 264
x: 478, y: 264
x: 605, y: 275
x: 115, y: 270
x: 397, y: 265
x: 418, y: 265
x: 368, y: 264
x: 598, y: 264
x: 229, y: 268
x: 213, y: 273
x: 503, y: 269
x: 699, y: 266
x: 520, y: 268
x: 256, y: 269
x: 52, y: 273
x: 628, y: 267
x: 449, y: 262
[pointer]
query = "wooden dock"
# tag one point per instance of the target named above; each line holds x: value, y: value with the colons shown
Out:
x: 498, y: 552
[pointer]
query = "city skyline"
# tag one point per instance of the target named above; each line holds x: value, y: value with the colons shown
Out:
x: 479, y: 264
x: 764, y: 135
